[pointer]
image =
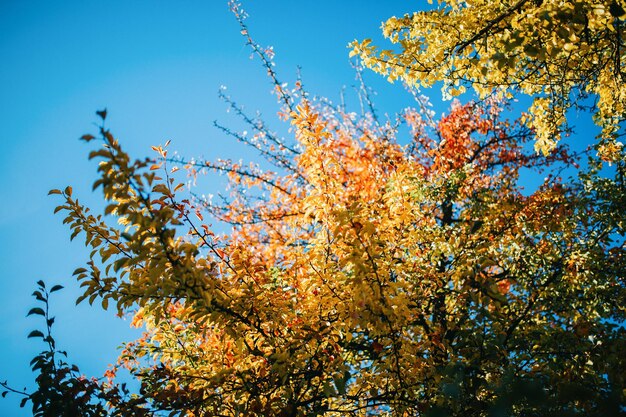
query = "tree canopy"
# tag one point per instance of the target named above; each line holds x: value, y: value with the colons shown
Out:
x: 556, y: 52
x: 370, y: 267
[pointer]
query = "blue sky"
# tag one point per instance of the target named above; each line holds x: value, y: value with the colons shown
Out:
x: 157, y: 66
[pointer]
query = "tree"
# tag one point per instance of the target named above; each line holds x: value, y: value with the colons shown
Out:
x: 557, y: 52
x: 61, y: 389
x: 361, y: 275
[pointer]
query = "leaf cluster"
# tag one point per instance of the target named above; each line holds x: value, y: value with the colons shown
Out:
x: 556, y: 52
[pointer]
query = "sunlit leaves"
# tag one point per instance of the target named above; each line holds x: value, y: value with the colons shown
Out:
x: 556, y: 52
x: 360, y: 271
x: 369, y: 277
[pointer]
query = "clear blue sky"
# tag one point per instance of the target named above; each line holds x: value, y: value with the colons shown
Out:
x: 156, y: 65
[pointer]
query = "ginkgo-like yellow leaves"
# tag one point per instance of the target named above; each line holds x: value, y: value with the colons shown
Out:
x: 557, y: 52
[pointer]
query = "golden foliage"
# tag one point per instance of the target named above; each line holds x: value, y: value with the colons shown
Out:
x: 361, y: 276
x: 556, y: 52
x: 367, y: 278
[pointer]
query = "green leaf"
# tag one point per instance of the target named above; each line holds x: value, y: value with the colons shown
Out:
x: 340, y: 383
x: 531, y: 50
x: 328, y: 389
x: 36, y: 310
x: 56, y: 288
x: 38, y: 296
x: 35, y: 333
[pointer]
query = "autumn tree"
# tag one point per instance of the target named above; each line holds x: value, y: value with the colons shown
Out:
x: 556, y: 52
x: 379, y: 267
